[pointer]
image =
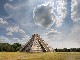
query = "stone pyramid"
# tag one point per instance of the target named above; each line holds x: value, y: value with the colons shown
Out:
x: 36, y: 44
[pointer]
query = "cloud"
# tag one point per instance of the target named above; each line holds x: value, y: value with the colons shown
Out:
x: 23, y: 10
x: 25, y: 39
x: 14, y: 29
x: 61, y: 11
x: 14, y: 40
x: 22, y: 41
x: 20, y: 12
x: 9, y: 33
x: 13, y: 11
x: 3, y: 21
x: 74, y: 36
x: 44, y: 15
x: 10, y: 0
x: 75, y: 10
x: 53, y: 38
x: 22, y: 31
x: 4, y: 39
x: 75, y: 32
x: 54, y: 35
x: 61, y: 40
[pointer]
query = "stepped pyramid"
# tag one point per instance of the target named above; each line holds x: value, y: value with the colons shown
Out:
x: 36, y: 44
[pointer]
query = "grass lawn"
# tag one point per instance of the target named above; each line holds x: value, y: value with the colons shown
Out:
x: 40, y: 56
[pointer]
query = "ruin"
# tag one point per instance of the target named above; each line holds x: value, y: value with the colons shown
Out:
x: 36, y: 44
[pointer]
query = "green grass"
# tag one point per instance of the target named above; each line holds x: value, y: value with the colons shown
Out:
x: 40, y: 56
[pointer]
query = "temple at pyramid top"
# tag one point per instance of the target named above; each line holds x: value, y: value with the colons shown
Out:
x: 36, y: 44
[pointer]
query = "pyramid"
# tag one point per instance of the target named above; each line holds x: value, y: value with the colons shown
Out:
x: 36, y: 44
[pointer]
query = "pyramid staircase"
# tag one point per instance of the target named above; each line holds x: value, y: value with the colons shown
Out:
x: 35, y: 44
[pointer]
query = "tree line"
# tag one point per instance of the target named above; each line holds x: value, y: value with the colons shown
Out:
x: 9, y: 48
x: 6, y: 47
x: 68, y: 50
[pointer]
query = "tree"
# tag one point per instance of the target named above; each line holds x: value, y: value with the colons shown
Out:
x: 16, y: 46
x: 10, y: 48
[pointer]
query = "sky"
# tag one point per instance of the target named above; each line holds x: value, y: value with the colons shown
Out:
x: 56, y: 21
